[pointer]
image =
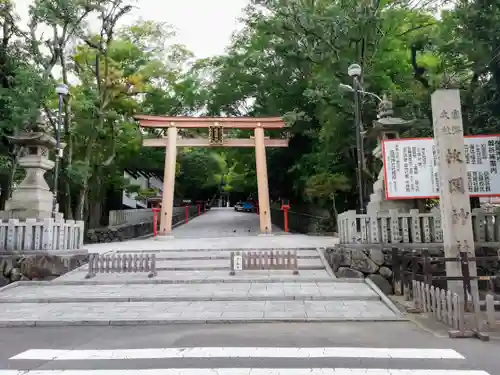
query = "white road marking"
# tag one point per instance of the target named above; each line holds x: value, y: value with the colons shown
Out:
x: 247, y: 371
x: 238, y: 352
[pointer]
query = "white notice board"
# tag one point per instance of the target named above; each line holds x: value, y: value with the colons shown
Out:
x: 410, y: 167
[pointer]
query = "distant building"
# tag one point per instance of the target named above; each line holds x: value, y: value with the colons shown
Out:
x: 145, y: 180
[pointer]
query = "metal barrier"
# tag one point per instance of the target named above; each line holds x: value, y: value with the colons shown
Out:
x: 121, y: 263
x: 264, y: 260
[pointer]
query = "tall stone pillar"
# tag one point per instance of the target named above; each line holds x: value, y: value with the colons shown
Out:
x: 167, y: 203
x: 262, y: 183
x: 456, y: 216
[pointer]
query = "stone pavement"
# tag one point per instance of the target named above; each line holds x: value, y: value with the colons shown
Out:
x: 193, y: 284
x: 219, y: 229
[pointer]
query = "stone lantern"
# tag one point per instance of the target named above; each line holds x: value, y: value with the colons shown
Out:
x: 386, y: 127
x: 32, y: 198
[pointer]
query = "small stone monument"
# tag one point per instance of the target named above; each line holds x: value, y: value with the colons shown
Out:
x: 386, y: 127
x: 32, y: 198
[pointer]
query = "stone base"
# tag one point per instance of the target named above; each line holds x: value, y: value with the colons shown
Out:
x: 373, y: 263
x: 163, y: 238
x: 39, y: 267
x: 383, y: 206
x: 30, y: 203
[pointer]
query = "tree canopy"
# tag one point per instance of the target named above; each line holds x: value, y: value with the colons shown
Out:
x: 287, y: 60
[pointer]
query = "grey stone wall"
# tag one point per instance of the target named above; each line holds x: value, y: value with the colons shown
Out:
x: 119, y: 233
x: 360, y: 261
x: 25, y: 267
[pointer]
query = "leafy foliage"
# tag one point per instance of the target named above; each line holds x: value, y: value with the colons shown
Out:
x: 287, y: 60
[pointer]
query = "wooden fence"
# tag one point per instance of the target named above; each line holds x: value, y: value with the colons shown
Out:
x: 264, y: 260
x: 47, y: 234
x: 413, y: 276
x: 121, y: 263
x: 412, y: 227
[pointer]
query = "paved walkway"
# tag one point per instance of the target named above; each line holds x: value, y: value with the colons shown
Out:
x: 193, y: 284
x: 218, y: 229
x: 221, y: 222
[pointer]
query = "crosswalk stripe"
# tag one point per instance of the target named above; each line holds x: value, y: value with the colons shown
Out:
x: 238, y: 352
x: 248, y: 371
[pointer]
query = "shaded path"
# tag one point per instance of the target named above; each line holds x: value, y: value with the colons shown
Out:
x: 221, y: 222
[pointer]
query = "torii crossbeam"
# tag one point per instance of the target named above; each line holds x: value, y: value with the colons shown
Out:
x: 216, y: 126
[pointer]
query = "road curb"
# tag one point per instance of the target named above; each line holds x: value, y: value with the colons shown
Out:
x: 191, y: 281
x: 328, y: 269
x: 147, y: 322
x: 384, y: 298
x: 189, y: 299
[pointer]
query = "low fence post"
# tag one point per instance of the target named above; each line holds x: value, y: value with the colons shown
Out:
x: 90, y: 270
x: 427, y: 267
x: 490, y: 312
x: 396, y: 269
x: 153, y: 273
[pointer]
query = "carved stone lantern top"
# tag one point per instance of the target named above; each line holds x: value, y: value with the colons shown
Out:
x: 33, y: 139
x: 35, y: 134
x: 386, y: 121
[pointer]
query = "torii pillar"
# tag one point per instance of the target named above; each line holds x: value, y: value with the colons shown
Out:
x: 167, y: 203
x: 262, y: 182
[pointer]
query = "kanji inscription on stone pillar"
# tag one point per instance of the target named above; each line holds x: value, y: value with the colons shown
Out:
x: 455, y: 206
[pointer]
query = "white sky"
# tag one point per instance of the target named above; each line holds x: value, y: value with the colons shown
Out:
x: 204, y: 26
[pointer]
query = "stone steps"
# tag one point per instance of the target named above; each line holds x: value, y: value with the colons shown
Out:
x: 169, y: 281
x: 195, y: 276
x: 145, y: 313
x: 284, y: 291
x: 210, y: 251
x: 187, y: 298
x: 208, y: 254
x: 219, y: 257
x: 219, y: 264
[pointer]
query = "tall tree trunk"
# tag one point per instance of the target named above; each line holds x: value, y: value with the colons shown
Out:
x: 335, y: 211
x: 94, y: 201
x: 4, y: 190
x: 82, y: 197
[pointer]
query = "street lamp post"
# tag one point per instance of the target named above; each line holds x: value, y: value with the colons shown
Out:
x: 61, y: 91
x: 354, y: 71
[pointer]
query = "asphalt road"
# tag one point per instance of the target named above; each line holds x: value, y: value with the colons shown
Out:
x: 359, y: 337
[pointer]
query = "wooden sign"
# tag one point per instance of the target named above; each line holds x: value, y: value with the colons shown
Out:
x: 264, y: 260
x: 238, y: 262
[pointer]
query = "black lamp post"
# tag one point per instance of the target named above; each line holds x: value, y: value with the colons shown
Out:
x: 354, y: 71
x: 61, y: 91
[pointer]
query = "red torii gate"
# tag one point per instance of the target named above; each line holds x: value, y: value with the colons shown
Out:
x: 216, y: 126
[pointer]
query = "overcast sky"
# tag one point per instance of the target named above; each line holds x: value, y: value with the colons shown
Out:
x: 204, y: 26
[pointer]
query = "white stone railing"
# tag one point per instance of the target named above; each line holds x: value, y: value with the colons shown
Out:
x: 47, y: 234
x: 134, y: 216
x: 411, y: 227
